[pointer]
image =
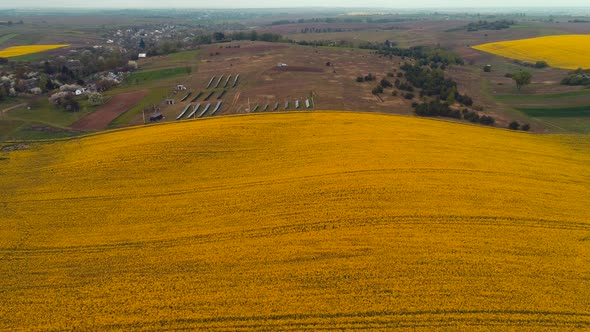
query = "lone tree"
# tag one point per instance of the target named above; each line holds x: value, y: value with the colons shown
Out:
x: 385, y: 83
x: 521, y: 78
x: 377, y: 90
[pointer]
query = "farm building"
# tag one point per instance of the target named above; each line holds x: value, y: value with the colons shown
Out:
x: 142, y: 55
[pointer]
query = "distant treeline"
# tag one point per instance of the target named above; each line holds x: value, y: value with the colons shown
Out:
x: 253, y: 35
x: 435, y: 57
x: 173, y: 46
x: 356, y: 19
x: 9, y: 23
x: 485, y: 25
x: 322, y: 30
x: 341, y: 43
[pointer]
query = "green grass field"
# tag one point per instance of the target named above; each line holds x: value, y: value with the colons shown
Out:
x: 42, y: 121
x: 43, y: 112
x: 565, y: 112
x: 562, y: 97
x: 19, y: 130
x: 7, y: 37
x: 157, y: 79
x: 155, y: 97
x: 561, y: 112
x: 28, y: 57
x: 184, y: 56
x: 140, y: 77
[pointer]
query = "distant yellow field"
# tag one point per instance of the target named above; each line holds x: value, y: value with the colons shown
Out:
x: 562, y: 51
x: 24, y: 50
x: 297, y: 221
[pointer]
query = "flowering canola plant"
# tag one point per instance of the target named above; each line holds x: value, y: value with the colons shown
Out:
x: 322, y: 220
x: 24, y: 50
x: 560, y: 51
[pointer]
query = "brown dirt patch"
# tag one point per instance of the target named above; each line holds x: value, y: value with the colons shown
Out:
x: 245, y: 48
x: 119, y: 104
x: 294, y: 28
x: 299, y: 69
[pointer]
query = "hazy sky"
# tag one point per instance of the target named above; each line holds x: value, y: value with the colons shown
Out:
x: 286, y: 3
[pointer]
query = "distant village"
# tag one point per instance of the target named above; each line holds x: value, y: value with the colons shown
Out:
x: 70, y: 74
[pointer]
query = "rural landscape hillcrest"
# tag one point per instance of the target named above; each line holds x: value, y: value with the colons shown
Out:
x: 294, y: 169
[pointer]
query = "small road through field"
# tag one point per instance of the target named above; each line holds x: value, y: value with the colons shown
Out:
x: 6, y: 110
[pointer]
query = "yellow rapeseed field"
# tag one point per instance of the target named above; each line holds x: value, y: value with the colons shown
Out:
x: 24, y: 50
x: 561, y: 51
x: 297, y: 221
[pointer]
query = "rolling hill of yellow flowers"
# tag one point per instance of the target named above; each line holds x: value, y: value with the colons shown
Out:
x: 561, y: 51
x: 297, y: 221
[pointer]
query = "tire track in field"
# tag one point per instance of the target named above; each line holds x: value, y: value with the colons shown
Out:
x: 281, y: 230
x: 378, y: 319
x: 119, y: 196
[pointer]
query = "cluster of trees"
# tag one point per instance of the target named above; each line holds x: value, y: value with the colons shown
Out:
x: 347, y: 44
x: 321, y: 30
x: 254, y: 35
x: 94, y: 60
x: 10, y: 23
x: 381, y: 48
x: 538, y: 64
x: 6, y: 90
x: 476, y: 118
x: 66, y: 100
x: 316, y: 43
x: 404, y: 86
x: 485, y: 25
x: 172, y: 46
x: 439, y: 108
x: 514, y: 125
x: 367, y: 78
x: 435, y: 57
x: 577, y: 77
x: 169, y: 46
x: 433, y: 83
x: 385, y: 83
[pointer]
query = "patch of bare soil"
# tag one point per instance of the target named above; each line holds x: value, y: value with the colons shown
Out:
x: 119, y: 104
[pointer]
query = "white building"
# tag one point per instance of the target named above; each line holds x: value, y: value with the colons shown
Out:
x: 80, y: 91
